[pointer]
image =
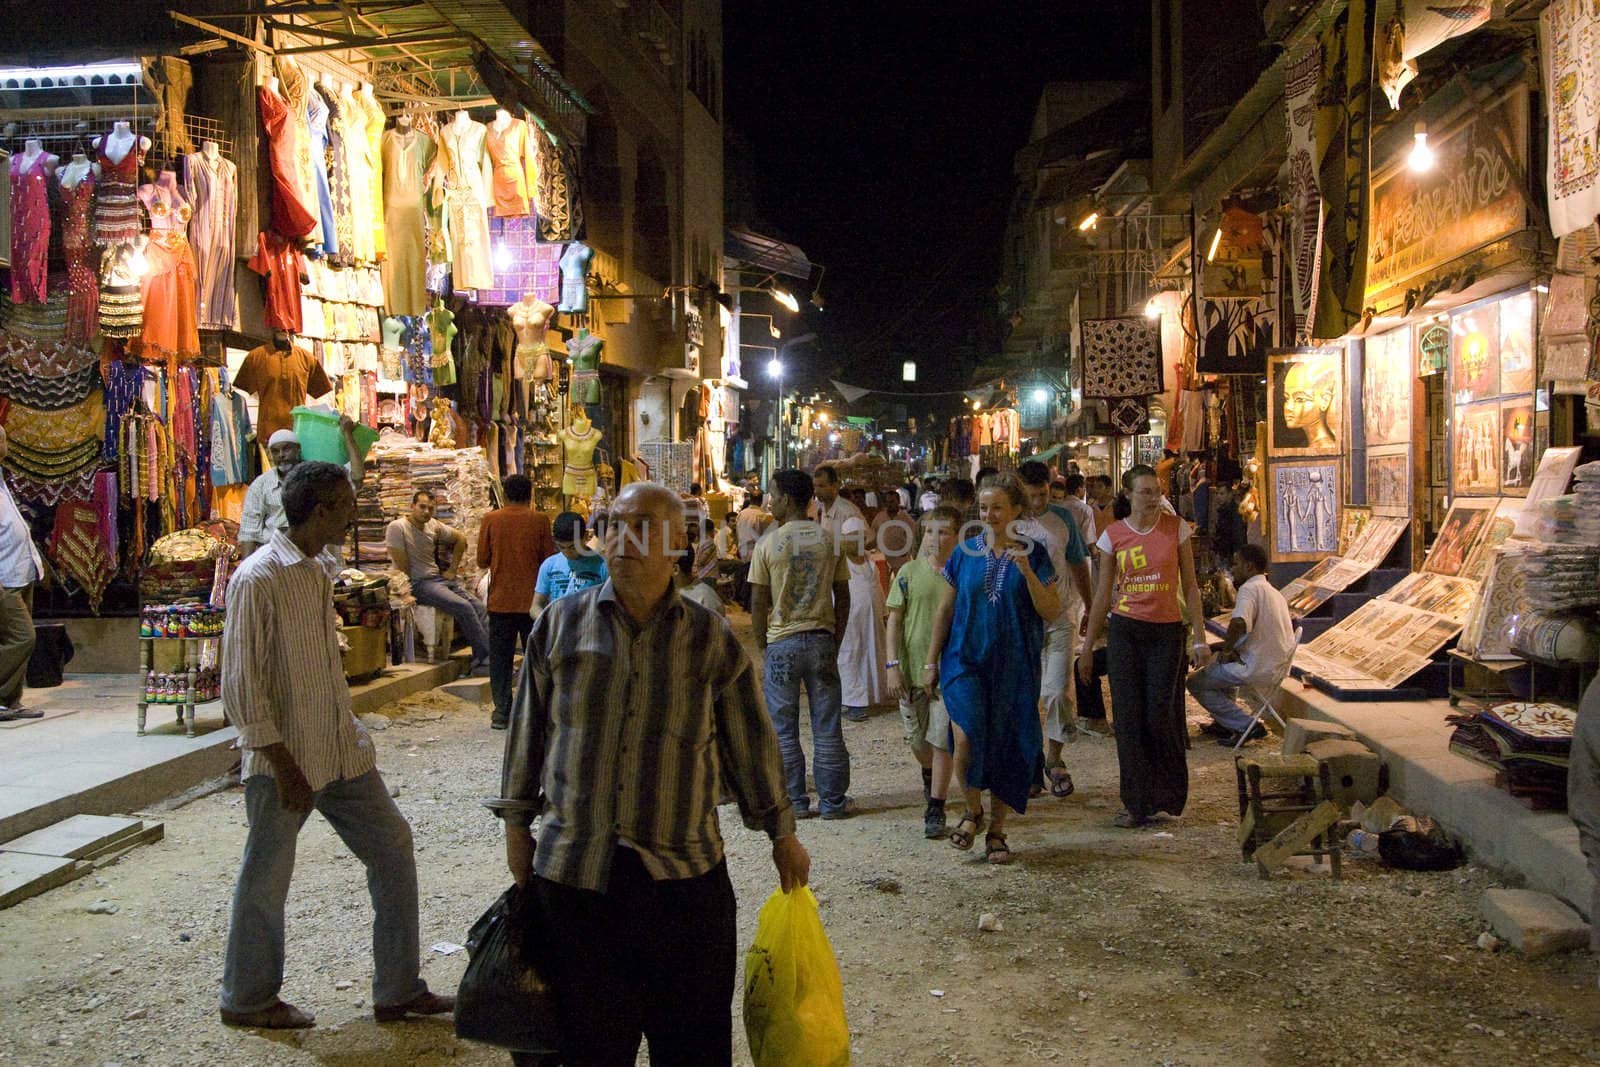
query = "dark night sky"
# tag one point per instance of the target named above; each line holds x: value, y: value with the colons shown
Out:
x: 879, y: 136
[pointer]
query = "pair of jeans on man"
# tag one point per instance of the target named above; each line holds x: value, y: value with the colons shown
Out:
x: 468, y: 611
x: 811, y: 660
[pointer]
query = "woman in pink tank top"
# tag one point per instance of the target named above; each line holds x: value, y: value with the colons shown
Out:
x: 1145, y: 562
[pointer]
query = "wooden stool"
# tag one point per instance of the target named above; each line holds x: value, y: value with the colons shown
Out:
x: 1291, y: 816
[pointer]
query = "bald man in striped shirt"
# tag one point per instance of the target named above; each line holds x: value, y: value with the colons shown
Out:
x: 284, y: 689
x: 637, y: 707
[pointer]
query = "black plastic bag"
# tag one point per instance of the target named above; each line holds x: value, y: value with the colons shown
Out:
x: 504, y: 1000
x: 1418, y: 844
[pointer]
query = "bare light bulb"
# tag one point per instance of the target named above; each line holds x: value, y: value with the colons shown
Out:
x: 1422, y: 157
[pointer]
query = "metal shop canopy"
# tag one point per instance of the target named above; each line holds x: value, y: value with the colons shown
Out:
x: 766, y: 254
x: 440, y: 53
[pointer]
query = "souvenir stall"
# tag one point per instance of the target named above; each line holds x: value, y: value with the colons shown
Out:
x: 414, y: 266
x: 990, y: 436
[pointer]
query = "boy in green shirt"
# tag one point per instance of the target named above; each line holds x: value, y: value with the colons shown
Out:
x: 914, y: 595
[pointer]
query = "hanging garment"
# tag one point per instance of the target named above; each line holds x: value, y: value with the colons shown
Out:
x: 279, y: 380
x: 170, y: 282
x: 461, y: 150
x: 289, y: 214
x: 515, y: 171
x: 584, y: 351
x: 30, y: 227
x: 560, y: 214
x: 280, y: 263
x: 339, y: 185
x: 83, y: 544
x: 358, y: 162
x: 121, y: 295
x: 375, y: 211
x: 230, y: 439
x: 317, y: 118
x: 83, y: 288
x: 574, y: 268
x: 405, y: 156
x: 212, y: 186
x: 116, y: 205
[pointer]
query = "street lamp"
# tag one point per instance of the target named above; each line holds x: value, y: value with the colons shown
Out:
x: 775, y: 368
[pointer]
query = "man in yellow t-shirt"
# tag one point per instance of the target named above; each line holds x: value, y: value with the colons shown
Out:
x: 800, y: 599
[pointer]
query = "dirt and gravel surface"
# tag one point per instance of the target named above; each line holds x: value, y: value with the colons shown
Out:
x: 1118, y: 947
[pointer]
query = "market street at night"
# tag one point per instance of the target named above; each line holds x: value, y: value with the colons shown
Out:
x: 584, y: 533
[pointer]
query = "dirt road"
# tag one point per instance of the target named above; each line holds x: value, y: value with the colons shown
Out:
x: 1119, y: 947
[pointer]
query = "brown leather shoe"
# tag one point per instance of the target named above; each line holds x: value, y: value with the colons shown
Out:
x: 281, y: 1016
x: 422, y: 1004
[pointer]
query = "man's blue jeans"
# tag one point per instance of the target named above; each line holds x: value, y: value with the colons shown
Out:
x: 1214, y: 688
x: 809, y: 659
x: 366, y: 819
x: 468, y: 611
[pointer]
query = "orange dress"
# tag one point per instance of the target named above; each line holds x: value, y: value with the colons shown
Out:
x: 171, y: 325
x: 515, y: 174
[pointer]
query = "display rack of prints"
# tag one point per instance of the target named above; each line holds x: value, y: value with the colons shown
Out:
x: 1336, y: 574
x: 1550, y: 480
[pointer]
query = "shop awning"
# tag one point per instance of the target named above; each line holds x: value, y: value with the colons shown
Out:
x: 1047, y: 454
x: 766, y: 253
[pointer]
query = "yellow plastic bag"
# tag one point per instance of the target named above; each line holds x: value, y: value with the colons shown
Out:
x: 793, y: 999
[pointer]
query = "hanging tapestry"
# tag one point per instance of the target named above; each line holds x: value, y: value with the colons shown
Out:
x: 1418, y: 27
x: 1121, y: 357
x: 83, y: 544
x: 1129, y: 416
x: 1242, y: 265
x: 1305, y: 196
x: 1344, y: 150
x: 1567, y: 34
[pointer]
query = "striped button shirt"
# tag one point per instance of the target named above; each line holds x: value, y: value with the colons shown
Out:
x: 622, y: 732
x: 282, y: 676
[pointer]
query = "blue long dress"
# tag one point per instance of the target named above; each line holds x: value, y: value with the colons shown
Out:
x: 989, y: 672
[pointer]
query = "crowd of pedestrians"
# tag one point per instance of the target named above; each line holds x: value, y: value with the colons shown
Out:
x: 637, y: 710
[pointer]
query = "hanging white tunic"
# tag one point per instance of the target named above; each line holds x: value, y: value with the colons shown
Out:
x: 861, y: 653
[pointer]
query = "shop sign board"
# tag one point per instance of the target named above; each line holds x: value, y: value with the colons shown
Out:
x: 1470, y: 198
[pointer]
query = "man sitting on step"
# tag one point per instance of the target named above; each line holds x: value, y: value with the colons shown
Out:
x: 1260, y: 637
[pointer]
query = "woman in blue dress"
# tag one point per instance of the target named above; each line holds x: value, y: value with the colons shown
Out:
x: 987, y: 637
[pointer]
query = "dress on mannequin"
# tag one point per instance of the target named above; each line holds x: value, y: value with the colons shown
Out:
x: 121, y: 297
x: 83, y: 288
x: 31, y: 171
x: 116, y: 206
x: 574, y: 268
x: 170, y: 281
x: 515, y: 171
x: 406, y: 156
x: 461, y: 151
x: 211, y: 182
x: 584, y: 351
x: 530, y: 317
x: 578, y: 442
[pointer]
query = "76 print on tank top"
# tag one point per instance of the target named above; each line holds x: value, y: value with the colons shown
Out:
x: 1147, y: 569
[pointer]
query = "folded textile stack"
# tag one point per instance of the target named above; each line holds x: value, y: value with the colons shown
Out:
x: 1586, y: 494
x: 469, y: 492
x: 1562, y: 577
x: 1529, y: 744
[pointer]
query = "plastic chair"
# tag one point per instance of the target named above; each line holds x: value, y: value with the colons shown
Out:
x: 1263, y: 694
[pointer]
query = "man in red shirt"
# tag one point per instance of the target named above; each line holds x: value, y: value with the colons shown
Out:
x: 512, y: 542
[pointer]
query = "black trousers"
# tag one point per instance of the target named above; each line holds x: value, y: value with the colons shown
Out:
x: 504, y: 629
x: 645, y: 958
x: 1091, y: 701
x: 1146, y: 664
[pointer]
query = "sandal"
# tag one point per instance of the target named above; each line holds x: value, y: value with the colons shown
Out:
x: 996, y: 853
x: 961, y: 839
x: 1061, y: 785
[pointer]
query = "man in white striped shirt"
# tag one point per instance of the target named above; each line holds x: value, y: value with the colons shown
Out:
x: 284, y: 689
x: 637, y: 707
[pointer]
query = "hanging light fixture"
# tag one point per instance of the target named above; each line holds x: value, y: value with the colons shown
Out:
x: 1089, y: 220
x: 1422, y: 157
x: 786, y: 298
x: 1216, y: 242
x: 1152, y: 310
